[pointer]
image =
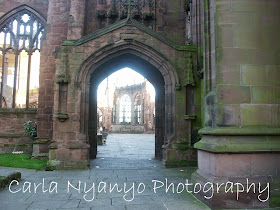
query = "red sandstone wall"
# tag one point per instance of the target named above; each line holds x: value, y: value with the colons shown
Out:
x: 56, y: 32
x: 169, y: 18
x: 12, y: 136
x: 41, y: 6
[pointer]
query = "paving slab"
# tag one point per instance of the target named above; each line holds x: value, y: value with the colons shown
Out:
x: 121, y: 163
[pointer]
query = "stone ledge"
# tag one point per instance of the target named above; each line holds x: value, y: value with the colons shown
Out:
x: 237, y: 131
x: 239, y: 144
x: 67, y: 165
x: 11, y: 135
x: 40, y: 156
x: 62, y: 116
x: 62, y: 78
x: 133, y: 23
x: 189, y: 117
x: 17, y: 111
x: 41, y: 141
x: 7, y: 180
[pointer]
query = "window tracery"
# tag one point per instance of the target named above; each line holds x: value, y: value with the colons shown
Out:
x: 20, y: 44
x: 125, y: 109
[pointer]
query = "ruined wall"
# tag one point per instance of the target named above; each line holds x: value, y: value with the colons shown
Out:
x: 12, y: 136
x: 138, y: 96
x: 69, y: 63
x: 165, y: 17
x: 56, y: 32
x: 71, y: 20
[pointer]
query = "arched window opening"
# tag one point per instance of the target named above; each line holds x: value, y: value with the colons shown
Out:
x: 125, y: 109
x: 20, y: 44
x: 137, y: 110
x: 114, y: 113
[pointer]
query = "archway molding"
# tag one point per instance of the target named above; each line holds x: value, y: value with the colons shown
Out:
x: 89, y: 71
x: 21, y: 9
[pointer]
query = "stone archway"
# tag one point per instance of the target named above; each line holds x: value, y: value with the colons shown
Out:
x: 156, y: 68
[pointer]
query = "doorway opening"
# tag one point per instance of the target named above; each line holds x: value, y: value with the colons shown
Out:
x: 126, y: 116
x: 124, y: 112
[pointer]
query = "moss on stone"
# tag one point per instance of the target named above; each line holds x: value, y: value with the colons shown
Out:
x: 52, y: 155
x: 4, y: 181
x: 180, y: 103
x: 177, y: 163
x: 22, y: 145
x: 41, y: 141
x: 62, y: 116
x: 236, y: 145
x: 240, y: 131
x: 52, y: 165
x: 177, y: 38
x: 17, y: 111
x: 132, y: 23
x: 9, y: 145
x: 171, y: 155
x: 11, y: 135
x: 181, y: 145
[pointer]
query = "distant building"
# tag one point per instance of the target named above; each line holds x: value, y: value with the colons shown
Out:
x: 133, y: 110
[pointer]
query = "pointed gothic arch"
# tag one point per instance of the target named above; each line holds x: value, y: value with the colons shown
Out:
x: 22, y: 8
x: 144, y: 60
x: 21, y: 34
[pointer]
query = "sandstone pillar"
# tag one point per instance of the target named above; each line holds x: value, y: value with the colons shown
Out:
x: 241, y: 137
x: 56, y: 31
x: 76, y: 19
x: 68, y: 148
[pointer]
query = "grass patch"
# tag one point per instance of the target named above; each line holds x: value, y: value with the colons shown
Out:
x: 21, y: 161
x: 1, y: 177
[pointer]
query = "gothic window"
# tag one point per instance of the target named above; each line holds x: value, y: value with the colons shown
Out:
x: 137, y: 113
x: 125, y: 109
x: 137, y: 110
x: 20, y: 43
x: 114, y: 114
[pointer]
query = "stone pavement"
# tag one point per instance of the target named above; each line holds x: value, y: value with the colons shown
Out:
x: 126, y: 160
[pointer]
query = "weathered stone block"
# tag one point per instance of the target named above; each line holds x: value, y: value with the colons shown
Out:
x: 246, y: 37
x: 233, y: 94
x: 228, y: 74
x: 249, y: 5
x: 266, y: 95
x: 265, y: 164
x: 235, y: 17
x: 260, y: 75
x: 7, y: 180
x: 262, y: 115
x: 223, y: 4
x: 232, y: 165
x: 224, y: 36
x: 62, y: 154
x: 204, y: 161
x: 228, y: 115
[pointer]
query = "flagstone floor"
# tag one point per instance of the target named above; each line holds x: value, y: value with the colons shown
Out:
x: 124, y: 176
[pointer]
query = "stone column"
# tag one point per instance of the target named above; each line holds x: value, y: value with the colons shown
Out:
x: 76, y: 19
x: 241, y: 137
x: 56, y: 31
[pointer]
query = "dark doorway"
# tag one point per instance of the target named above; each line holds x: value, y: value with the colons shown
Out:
x: 148, y: 71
